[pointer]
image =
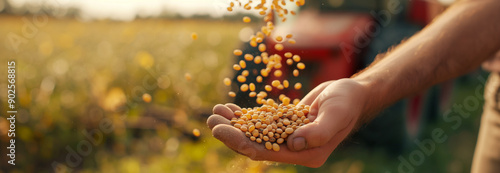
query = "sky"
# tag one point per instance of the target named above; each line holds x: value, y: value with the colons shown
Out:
x: 128, y: 9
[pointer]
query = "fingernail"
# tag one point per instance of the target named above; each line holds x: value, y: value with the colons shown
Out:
x: 299, y: 143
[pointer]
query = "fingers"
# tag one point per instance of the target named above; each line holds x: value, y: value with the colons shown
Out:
x: 214, y: 120
x: 233, y: 107
x: 223, y: 110
x: 332, y: 118
x: 237, y: 141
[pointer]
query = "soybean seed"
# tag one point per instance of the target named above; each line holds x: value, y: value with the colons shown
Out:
x: 298, y: 86
x: 196, y: 132
x: 288, y: 54
x: 244, y: 87
x: 243, y: 64
x: 276, y: 147
x: 278, y: 73
x: 241, y: 78
x: 237, y: 52
x: 194, y: 36
x: 248, y: 57
x: 236, y: 67
x: 227, y: 81
x: 280, y: 140
x: 259, y: 79
x: 269, y: 146
x: 246, y: 19
x: 231, y: 94
x: 301, y: 66
x: 279, y: 47
x: 296, y: 58
x: 295, y: 72
x: 262, y: 47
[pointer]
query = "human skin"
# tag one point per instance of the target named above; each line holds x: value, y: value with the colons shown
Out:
x: 455, y: 43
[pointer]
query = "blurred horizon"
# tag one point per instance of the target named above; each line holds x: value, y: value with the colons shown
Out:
x: 128, y: 10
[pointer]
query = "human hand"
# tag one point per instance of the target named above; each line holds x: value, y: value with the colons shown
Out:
x: 336, y: 107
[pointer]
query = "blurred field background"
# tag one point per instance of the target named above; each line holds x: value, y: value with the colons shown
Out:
x: 73, y: 76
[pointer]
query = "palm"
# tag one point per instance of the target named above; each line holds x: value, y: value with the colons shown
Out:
x: 335, y: 108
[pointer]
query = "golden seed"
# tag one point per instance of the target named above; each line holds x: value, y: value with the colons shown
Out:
x: 289, y: 61
x: 262, y: 47
x: 244, y: 87
x: 259, y: 39
x: 262, y: 12
x: 292, y: 12
x: 258, y: 140
x: 229, y: 9
x: 248, y: 134
x: 286, y: 101
x: 277, y: 65
x: 243, y: 64
x: 298, y: 86
x: 289, y: 36
x: 278, y: 47
x: 236, y: 67
x: 280, y: 87
x: 254, y: 43
x: 284, y: 135
x: 289, y: 130
x: 246, y: 19
x: 237, y: 52
x: 268, y: 88
x: 231, y: 94
x: 187, y: 76
x: 296, y: 58
x: 279, y: 38
x: 252, y: 87
x: 275, y: 83
x: 243, y: 128
x: 257, y: 60
x: 301, y: 66
x: 285, y: 83
x: 288, y: 54
x: 245, y: 73
x: 276, y: 147
x: 252, y: 94
x: 259, y: 79
x: 269, y: 146
x: 238, y: 113
x: 278, y: 73
x: 279, y: 131
x: 241, y: 78
x: 248, y: 57
x: 252, y: 138
x: 194, y: 36
x: 251, y: 128
x: 227, y: 81
x: 264, y: 72
x: 237, y: 125
x: 196, y: 132
x: 306, y: 120
x: 295, y: 72
x: 146, y: 97
x: 296, y: 101
x: 258, y: 125
x: 286, y: 122
x: 280, y: 140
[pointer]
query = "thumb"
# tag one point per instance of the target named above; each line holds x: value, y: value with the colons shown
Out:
x: 331, y: 118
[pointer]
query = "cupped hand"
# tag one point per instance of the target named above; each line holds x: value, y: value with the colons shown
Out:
x: 336, y: 107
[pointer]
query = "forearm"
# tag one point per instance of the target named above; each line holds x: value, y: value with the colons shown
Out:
x: 457, y: 42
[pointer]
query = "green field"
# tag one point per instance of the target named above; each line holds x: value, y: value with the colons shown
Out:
x: 90, y: 76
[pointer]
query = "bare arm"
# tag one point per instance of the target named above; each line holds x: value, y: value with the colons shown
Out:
x: 455, y: 43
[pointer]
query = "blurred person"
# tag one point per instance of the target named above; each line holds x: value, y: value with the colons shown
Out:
x: 465, y: 36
